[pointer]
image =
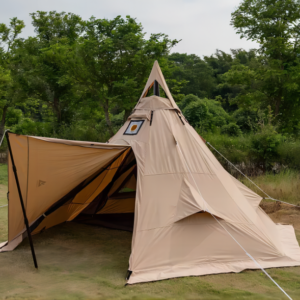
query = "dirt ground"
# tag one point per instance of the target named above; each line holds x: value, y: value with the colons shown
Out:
x: 87, y: 262
x: 282, y: 213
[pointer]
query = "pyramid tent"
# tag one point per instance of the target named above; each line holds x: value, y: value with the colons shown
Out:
x: 157, y: 178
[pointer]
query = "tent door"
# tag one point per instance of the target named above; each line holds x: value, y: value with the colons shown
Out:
x: 114, y: 206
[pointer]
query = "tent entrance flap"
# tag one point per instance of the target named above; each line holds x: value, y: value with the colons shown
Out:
x: 109, y: 191
x: 114, y: 206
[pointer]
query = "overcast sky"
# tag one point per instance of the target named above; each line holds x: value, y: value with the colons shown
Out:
x: 202, y: 25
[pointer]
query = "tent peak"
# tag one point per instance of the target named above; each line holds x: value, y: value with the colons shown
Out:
x: 156, y: 77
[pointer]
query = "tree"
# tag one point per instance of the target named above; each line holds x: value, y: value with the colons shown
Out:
x: 112, y: 62
x: 273, y: 77
x: 46, y: 53
x: 11, y: 92
x: 199, y: 76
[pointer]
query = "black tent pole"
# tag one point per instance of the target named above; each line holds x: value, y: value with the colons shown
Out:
x: 21, y: 200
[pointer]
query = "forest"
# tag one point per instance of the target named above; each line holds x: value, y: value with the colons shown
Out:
x: 80, y: 79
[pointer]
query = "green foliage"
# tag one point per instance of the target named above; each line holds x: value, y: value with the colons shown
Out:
x: 247, y: 119
x: 289, y: 154
x: 235, y: 148
x: 11, y: 90
x: 187, y: 100
x: 30, y: 127
x: 80, y: 79
x: 3, y: 174
x: 204, y: 114
x: 231, y: 129
x: 272, y: 77
x: 264, y: 147
x: 197, y: 112
x: 197, y: 74
x: 13, y: 117
x: 53, y: 26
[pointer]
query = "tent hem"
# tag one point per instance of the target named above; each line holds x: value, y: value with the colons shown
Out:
x: 208, y: 269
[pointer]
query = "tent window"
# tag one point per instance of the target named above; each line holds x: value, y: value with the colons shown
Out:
x: 134, y: 127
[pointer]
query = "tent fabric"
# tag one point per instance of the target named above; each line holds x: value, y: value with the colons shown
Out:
x: 178, y: 181
x: 161, y: 182
x: 156, y: 74
x: 50, y: 168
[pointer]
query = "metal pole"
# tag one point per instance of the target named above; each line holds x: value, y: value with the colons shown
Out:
x: 156, y: 88
x: 21, y: 200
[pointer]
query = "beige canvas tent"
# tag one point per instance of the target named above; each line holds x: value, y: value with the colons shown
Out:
x: 157, y: 178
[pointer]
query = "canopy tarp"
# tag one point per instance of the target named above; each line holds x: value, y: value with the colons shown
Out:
x: 58, y: 179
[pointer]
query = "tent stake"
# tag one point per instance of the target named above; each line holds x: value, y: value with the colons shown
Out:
x: 21, y: 200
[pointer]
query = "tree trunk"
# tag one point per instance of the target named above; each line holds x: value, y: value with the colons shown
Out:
x: 278, y: 102
x: 2, y: 123
x: 127, y: 114
x: 107, y: 119
x: 277, y: 106
x: 57, y: 109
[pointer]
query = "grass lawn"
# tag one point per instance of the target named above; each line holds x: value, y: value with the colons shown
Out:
x: 87, y: 262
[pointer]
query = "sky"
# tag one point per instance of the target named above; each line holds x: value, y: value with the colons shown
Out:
x: 202, y: 25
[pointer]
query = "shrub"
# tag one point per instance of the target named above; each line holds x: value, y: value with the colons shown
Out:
x: 231, y: 129
x: 264, y: 147
x: 235, y: 149
x: 289, y: 153
x: 197, y: 113
x: 187, y: 100
x: 247, y: 120
x: 13, y: 117
x: 203, y: 114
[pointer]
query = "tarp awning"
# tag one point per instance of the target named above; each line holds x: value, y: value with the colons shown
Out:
x: 49, y: 170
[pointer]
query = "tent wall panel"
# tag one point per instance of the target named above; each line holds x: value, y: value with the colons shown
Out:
x: 118, y: 206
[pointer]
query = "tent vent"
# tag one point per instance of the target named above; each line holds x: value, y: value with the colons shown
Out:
x: 156, y: 88
x: 151, y: 117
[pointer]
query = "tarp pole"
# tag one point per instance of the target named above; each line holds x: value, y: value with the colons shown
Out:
x: 22, y: 202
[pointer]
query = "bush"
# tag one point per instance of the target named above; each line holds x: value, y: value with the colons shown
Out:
x: 247, y: 120
x: 13, y: 117
x: 289, y: 153
x: 203, y: 114
x: 235, y: 149
x: 264, y: 147
x: 231, y: 129
x: 197, y: 113
x: 187, y: 100
x: 81, y: 132
x: 29, y: 127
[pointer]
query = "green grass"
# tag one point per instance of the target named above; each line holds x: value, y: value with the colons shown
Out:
x: 3, y: 174
x: 86, y: 262
x: 78, y: 261
x: 284, y: 186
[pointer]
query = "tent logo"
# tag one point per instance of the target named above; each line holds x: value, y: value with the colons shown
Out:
x: 133, y: 127
x: 41, y: 182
